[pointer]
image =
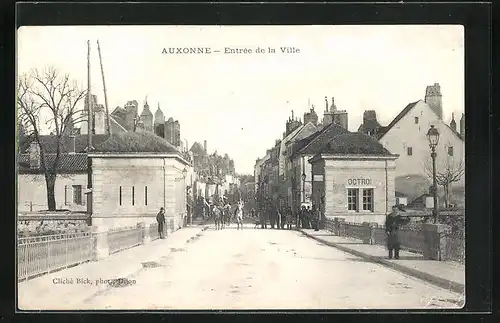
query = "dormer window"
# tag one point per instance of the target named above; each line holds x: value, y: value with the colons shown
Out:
x: 416, y: 120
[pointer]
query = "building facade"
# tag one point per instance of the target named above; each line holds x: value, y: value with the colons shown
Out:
x: 406, y: 136
x: 353, y: 178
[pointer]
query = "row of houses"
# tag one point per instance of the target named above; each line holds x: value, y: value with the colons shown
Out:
x: 360, y: 175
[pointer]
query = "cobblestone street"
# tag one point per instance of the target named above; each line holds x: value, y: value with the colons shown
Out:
x: 267, y: 269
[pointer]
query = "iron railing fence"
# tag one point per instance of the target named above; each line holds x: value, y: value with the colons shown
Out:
x: 153, y: 231
x: 455, y: 246
x: 353, y: 230
x: 44, y: 254
x: 124, y: 238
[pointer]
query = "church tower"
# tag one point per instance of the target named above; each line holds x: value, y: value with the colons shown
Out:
x: 434, y: 99
x: 159, y: 124
x: 147, y: 117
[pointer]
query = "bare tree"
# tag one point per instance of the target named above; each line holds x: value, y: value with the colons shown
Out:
x: 48, y: 98
x: 451, y: 172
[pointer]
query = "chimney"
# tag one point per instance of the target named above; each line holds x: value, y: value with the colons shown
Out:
x: 34, y: 155
x: 205, y: 146
x: 333, y: 108
x: 453, y: 124
x: 326, y: 103
x: 72, y: 142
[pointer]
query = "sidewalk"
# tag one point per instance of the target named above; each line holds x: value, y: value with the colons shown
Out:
x: 47, y: 293
x: 445, y: 274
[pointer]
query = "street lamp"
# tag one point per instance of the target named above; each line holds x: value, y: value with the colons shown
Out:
x: 303, y: 187
x: 433, y: 137
x: 184, y: 174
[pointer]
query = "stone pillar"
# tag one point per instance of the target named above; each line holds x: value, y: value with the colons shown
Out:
x: 100, y: 242
x: 434, y: 241
x: 146, y: 238
x: 367, y: 233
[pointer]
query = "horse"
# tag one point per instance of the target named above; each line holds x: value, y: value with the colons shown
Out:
x: 217, y: 218
x: 239, y: 215
x: 226, y: 217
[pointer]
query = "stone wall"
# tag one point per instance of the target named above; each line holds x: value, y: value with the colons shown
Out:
x: 46, y: 227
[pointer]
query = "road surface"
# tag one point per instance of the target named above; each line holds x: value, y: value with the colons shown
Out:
x: 268, y: 269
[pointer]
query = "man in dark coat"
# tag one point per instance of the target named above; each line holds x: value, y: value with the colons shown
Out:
x: 160, y: 218
x: 392, y: 224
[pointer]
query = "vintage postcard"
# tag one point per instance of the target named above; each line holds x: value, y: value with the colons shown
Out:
x: 240, y: 167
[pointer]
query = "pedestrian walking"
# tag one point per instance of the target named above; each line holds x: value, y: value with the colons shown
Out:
x: 160, y: 218
x: 392, y: 225
x: 289, y: 218
x: 316, y: 215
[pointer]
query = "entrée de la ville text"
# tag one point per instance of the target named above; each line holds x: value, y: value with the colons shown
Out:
x: 229, y: 50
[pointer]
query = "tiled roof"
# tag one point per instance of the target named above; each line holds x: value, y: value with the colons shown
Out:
x: 197, y: 149
x: 384, y: 130
x: 49, y: 143
x: 68, y: 163
x: 135, y: 142
x: 315, y: 142
x: 120, y: 121
x: 353, y: 143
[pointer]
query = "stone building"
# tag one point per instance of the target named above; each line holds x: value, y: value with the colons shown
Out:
x: 352, y: 177
x: 130, y: 182
x: 71, y: 180
x: 173, y: 132
x: 300, y: 152
x: 434, y: 99
x: 406, y: 136
x: 332, y: 115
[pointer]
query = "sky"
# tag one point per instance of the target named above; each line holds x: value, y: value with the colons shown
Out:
x: 239, y: 103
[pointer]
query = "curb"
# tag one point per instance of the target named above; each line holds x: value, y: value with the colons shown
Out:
x: 438, y: 281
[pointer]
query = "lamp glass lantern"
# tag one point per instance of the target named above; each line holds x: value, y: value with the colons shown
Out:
x: 303, y: 177
x: 433, y: 137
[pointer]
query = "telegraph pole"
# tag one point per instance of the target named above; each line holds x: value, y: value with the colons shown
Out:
x: 108, y: 126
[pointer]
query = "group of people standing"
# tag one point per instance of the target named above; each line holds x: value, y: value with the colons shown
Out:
x: 280, y: 217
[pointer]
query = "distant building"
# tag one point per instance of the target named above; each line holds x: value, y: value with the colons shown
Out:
x: 406, y: 136
x: 332, y: 115
x: 434, y: 99
x: 173, y: 132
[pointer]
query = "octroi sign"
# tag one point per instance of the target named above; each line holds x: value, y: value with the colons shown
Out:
x: 359, y: 181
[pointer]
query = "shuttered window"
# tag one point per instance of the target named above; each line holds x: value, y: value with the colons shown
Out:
x: 120, y: 195
x: 65, y: 194
x: 146, y: 195
x: 133, y: 195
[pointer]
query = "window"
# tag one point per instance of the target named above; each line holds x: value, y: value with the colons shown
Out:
x: 120, y: 195
x: 368, y: 199
x: 352, y: 199
x: 416, y: 120
x: 146, y: 195
x: 450, y: 151
x: 77, y: 194
x: 133, y: 195
x: 65, y: 194
x: 409, y: 151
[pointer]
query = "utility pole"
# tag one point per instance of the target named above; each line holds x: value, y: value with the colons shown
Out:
x: 90, y: 113
x: 105, y: 92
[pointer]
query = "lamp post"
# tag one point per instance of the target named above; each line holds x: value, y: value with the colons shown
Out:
x: 303, y: 187
x: 433, y: 137
x: 184, y: 174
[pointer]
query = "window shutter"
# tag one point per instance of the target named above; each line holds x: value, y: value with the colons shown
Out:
x: 84, y: 196
x: 65, y: 194
x: 71, y: 199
